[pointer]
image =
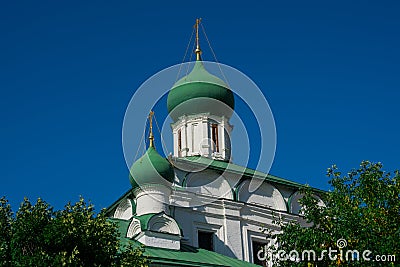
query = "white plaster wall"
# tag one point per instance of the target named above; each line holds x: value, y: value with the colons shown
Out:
x: 152, y: 199
x: 209, y: 182
x: 234, y: 224
x: 266, y: 195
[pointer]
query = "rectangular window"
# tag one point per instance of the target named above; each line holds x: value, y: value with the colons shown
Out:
x: 206, y: 240
x: 214, y: 135
x: 179, y: 142
x: 257, y: 246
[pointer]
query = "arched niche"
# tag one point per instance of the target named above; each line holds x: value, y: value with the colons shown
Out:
x: 163, y: 224
x: 209, y: 182
x: 134, y: 228
x: 125, y: 210
x: 265, y: 195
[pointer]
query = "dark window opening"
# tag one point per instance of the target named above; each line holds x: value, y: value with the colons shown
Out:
x: 257, y: 246
x: 214, y: 134
x: 206, y: 240
x: 179, y: 142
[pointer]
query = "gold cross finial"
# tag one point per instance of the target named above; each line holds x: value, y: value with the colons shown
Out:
x: 151, y: 136
x: 198, y: 50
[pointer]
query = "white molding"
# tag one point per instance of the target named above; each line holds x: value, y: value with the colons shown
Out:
x: 162, y: 231
x: 218, y: 231
x: 215, y: 207
x: 159, y: 240
x: 250, y: 236
x: 134, y: 228
x: 124, y: 210
x: 164, y: 224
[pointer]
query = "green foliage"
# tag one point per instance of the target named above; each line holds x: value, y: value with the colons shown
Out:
x: 363, y: 208
x: 131, y: 255
x: 74, y: 236
x: 5, y: 232
x: 28, y: 246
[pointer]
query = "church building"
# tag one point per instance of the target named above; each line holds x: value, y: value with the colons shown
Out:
x: 194, y: 208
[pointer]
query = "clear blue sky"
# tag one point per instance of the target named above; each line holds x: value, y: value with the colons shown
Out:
x: 329, y: 69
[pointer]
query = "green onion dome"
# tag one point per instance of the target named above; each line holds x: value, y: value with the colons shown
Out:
x: 151, y: 168
x: 200, y: 92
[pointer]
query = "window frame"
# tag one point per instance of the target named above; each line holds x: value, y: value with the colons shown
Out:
x: 211, y: 236
x: 215, y: 137
x: 179, y: 142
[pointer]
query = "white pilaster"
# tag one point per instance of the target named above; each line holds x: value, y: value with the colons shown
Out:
x: 197, y: 139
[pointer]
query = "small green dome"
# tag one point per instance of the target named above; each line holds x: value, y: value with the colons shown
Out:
x: 151, y: 168
x: 202, y: 92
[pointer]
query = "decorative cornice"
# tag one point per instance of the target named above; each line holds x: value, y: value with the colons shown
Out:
x: 149, y: 188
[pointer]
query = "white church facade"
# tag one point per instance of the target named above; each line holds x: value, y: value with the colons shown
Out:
x: 194, y: 208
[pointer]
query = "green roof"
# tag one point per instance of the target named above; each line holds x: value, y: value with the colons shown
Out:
x: 197, y: 89
x: 191, y: 256
x: 151, y: 168
x: 144, y: 220
x: 186, y: 256
x: 200, y: 74
x: 122, y: 225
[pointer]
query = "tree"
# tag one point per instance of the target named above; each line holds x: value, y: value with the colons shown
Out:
x: 361, y: 214
x: 5, y: 232
x: 74, y: 236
